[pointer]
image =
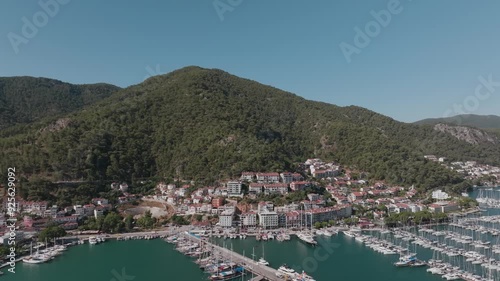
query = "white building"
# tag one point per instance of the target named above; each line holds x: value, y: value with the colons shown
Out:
x: 286, y: 177
x: 248, y: 219
x: 268, y: 219
x: 255, y: 188
x: 123, y: 187
x: 440, y: 195
x: 247, y: 176
x: 268, y: 177
x: 98, y: 212
x: 234, y: 188
x: 226, y: 218
x: 79, y: 210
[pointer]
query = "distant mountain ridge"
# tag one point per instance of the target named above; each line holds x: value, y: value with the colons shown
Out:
x: 470, y: 120
x: 27, y: 99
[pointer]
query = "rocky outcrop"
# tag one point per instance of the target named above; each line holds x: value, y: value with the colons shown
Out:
x: 470, y: 135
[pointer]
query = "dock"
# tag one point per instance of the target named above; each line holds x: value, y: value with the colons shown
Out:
x: 261, y: 271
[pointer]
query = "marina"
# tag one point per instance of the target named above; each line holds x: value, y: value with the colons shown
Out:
x: 465, y: 249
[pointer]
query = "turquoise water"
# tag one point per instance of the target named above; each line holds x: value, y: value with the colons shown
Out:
x: 153, y: 260
x: 150, y: 260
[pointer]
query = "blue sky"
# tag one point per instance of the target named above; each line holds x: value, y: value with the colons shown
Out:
x: 424, y: 62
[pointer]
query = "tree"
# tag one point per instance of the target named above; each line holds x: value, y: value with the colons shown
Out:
x: 51, y: 232
x: 112, y: 223
x: 129, y: 222
x: 147, y: 221
x: 317, y: 225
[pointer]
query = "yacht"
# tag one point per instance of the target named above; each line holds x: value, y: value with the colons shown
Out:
x: 349, y: 234
x: 303, y: 277
x: 35, y: 259
x: 93, y: 240
x: 286, y: 270
x: 327, y: 233
x: 262, y: 261
x: 308, y: 238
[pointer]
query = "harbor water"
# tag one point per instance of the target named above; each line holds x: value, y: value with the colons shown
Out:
x: 151, y: 260
x: 335, y: 258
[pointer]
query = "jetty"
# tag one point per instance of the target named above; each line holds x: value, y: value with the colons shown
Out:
x: 261, y: 271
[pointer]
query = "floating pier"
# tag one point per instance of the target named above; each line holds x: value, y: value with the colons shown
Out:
x: 263, y: 272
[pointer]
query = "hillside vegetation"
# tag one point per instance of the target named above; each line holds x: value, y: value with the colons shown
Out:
x: 207, y: 125
x: 27, y: 99
x: 470, y: 120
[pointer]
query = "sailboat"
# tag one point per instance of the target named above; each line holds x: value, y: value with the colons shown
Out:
x: 36, y: 258
x: 262, y: 261
x: 307, y: 237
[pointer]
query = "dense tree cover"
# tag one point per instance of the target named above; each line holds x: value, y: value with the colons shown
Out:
x: 319, y: 225
x: 147, y: 221
x: 27, y: 99
x: 467, y: 202
x: 470, y: 120
x: 207, y: 125
x: 179, y: 220
x: 112, y: 222
x: 51, y: 232
x: 407, y: 218
x: 38, y: 189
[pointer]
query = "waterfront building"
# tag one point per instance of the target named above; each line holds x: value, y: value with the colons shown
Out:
x: 248, y: 219
x: 268, y: 219
x: 226, y: 218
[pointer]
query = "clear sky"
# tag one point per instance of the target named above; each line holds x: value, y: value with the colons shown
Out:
x: 423, y: 62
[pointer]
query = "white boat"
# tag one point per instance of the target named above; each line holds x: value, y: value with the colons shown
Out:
x: 349, y: 234
x: 93, y: 240
x: 327, y: 233
x: 309, y: 239
x: 303, y: 277
x: 262, y: 261
x: 286, y: 270
x: 35, y: 259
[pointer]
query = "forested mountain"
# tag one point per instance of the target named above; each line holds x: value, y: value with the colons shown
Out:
x: 471, y: 120
x: 206, y: 124
x: 27, y: 99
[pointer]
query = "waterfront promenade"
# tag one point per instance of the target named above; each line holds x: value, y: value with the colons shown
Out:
x: 262, y: 271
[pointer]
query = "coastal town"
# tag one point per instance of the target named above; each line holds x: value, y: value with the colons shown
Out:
x: 318, y: 198
x: 321, y: 193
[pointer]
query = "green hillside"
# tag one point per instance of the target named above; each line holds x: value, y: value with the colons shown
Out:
x: 27, y: 99
x: 470, y: 120
x: 207, y: 125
